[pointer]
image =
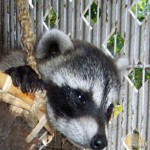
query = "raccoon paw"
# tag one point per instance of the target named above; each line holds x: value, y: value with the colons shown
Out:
x: 26, y: 78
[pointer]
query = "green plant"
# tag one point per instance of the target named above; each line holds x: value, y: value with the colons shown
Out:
x: 136, y: 76
x: 141, y: 9
x: 93, y: 14
x: 51, y: 18
x: 119, y: 43
x: 117, y: 110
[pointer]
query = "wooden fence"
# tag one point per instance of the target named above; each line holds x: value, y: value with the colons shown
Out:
x: 119, y: 28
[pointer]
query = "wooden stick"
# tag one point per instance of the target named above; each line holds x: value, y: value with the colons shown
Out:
x: 12, y: 100
x: 7, y: 86
x: 36, y: 130
x: 43, y: 122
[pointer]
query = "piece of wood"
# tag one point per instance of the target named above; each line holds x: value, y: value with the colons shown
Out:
x: 26, y: 100
x: 12, y: 100
x: 7, y: 86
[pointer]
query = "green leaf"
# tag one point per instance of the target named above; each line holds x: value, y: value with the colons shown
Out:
x: 119, y: 43
x: 51, y: 18
x: 93, y: 15
x: 136, y: 76
x: 117, y: 110
x: 141, y: 14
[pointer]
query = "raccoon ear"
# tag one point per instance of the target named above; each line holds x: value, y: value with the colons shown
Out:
x: 122, y: 64
x: 53, y: 43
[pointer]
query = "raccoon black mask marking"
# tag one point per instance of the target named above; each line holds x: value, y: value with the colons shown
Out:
x: 82, y: 84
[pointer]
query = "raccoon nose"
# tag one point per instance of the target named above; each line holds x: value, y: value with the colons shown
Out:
x: 99, y: 142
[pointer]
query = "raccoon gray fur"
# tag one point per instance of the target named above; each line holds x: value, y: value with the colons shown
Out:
x: 82, y: 85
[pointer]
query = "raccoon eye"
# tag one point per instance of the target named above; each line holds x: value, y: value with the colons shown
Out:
x: 81, y: 98
x: 109, y: 112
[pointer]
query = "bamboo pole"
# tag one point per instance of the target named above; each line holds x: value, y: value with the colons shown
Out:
x: 20, y: 99
x: 7, y: 86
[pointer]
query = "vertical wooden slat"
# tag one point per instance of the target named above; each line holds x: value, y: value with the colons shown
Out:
x: 57, y: 10
x: 72, y: 14
x: 77, y: 16
x: 134, y: 58
x: 122, y: 122
x: 120, y: 126
x: 61, y: 15
x: 58, y: 13
x: 45, y: 6
x: 81, y: 20
x: 130, y: 89
x: 103, y: 19
x: 39, y: 19
x: 145, y: 61
x: 148, y: 117
x: 89, y: 29
x: 11, y: 11
x: 5, y: 27
x: 126, y: 48
x: 18, y: 30
x: 1, y: 7
x: 65, y: 16
x: 99, y: 10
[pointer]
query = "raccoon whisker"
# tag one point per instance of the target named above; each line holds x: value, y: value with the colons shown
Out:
x: 64, y: 115
x: 59, y: 116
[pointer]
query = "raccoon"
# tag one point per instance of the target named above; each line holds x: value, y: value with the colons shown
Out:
x: 81, y: 81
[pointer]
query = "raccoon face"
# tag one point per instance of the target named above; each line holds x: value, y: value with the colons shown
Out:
x: 82, y: 85
x: 81, y: 93
x: 78, y: 117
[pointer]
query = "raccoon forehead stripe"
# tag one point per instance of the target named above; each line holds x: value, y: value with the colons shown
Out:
x: 75, y: 81
x: 97, y: 93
